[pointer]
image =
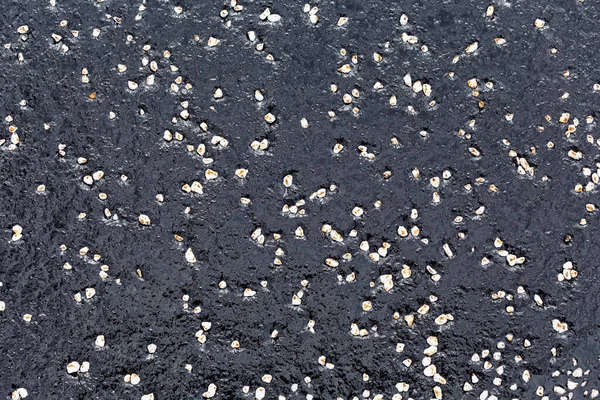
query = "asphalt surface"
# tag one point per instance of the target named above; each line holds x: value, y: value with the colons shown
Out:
x: 145, y: 290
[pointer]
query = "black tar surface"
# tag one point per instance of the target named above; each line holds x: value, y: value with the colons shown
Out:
x: 531, y: 216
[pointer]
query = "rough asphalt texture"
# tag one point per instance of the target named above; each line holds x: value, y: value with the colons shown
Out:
x: 533, y: 216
